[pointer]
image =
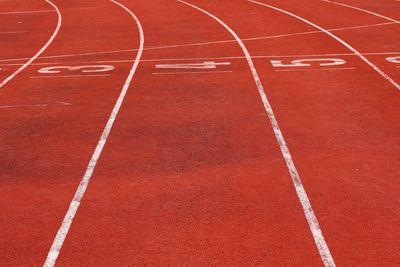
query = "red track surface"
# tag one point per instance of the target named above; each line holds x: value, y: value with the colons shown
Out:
x: 192, y: 174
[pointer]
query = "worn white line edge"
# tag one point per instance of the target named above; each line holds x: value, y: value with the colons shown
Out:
x: 69, y: 217
x: 35, y: 105
x: 191, y: 72
x: 20, y: 69
x: 70, y: 76
x: 355, y: 51
x: 301, y: 193
x: 363, y: 10
x: 27, y: 12
x: 322, y: 69
x: 201, y: 58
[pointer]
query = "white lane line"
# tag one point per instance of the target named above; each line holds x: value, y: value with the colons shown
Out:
x: 204, y: 65
x: 265, y: 37
x: 76, y: 201
x: 70, y: 76
x: 13, y: 32
x: 301, y: 193
x: 198, y: 44
x: 203, y: 58
x: 323, y: 69
x: 191, y: 72
x: 356, y: 52
x: 35, y: 105
x: 27, y: 12
x: 19, y: 70
x: 363, y: 10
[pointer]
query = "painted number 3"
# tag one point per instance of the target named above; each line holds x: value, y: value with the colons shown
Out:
x: 81, y: 69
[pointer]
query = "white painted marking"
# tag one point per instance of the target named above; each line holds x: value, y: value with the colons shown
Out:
x: 395, y: 60
x: 13, y: 32
x: 363, y: 10
x: 356, y: 52
x: 205, y: 58
x: 204, y: 65
x: 195, y: 44
x: 191, y: 72
x: 20, y: 69
x: 76, y: 201
x: 70, y: 76
x: 84, y: 69
x: 35, y: 105
x: 328, y: 69
x: 305, y: 62
x: 301, y: 193
x: 27, y: 12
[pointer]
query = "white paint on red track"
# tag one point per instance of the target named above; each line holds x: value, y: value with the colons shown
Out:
x: 58, y: 103
x: 13, y: 32
x: 363, y: 10
x: 204, y: 58
x: 47, y: 44
x: 27, y: 12
x: 316, y: 231
x: 80, y: 192
x: 348, y: 46
x: 70, y: 76
x: 323, y: 69
x: 191, y: 72
x: 202, y: 43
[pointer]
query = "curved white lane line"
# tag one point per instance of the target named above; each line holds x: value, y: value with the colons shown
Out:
x: 9, y: 78
x: 363, y: 10
x: 356, y: 52
x: 301, y: 193
x: 76, y: 201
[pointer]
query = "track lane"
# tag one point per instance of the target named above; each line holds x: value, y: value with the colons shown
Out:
x: 194, y: 177
x: 388, y: 8
x: 41, y: 50
x: 384, y: 39
x: 24, y: 35
x: 50, y: 128
x: 340, y: 148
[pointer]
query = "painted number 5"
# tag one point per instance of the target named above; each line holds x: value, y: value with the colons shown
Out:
x: 307, y: 62
x: 394, y: 59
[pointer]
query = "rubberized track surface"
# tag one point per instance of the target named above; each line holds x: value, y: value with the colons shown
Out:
x: 200, y: 133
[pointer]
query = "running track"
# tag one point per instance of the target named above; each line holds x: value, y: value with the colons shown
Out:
x: 192, y: 165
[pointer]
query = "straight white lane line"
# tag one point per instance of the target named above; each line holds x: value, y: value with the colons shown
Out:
x: 27, y: 12
x: 191, y: 72
x: 356, y: 52
x: 327, y: 69
x: 363, y: 10
x: 301, y: 193
x: 20, y: 69
x: 201, y: 43
x: 203, y: 58
x: 35, y: 105
x: 80, y: 192
x: 13, y: 32
x: 70, y: 76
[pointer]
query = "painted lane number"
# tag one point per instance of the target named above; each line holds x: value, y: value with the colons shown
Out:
x: 82, y: 69
x: 308, y: 62
x: 395, y: 60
